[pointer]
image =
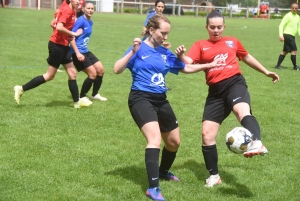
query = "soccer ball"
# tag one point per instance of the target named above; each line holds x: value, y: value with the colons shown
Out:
x: 238, y: 140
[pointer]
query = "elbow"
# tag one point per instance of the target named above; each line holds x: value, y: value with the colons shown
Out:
x: 117, y: 70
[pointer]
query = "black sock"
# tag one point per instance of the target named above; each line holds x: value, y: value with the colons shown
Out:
x: 210, y: 155
x: 97, y: 85
x: 293, y: 59
x: 151, y: 160
x: 73, y: 87
x: 167, y: 159
x: 250, y: 123
x: 86, y: 86
x: 280, y: 59
x: 34, y: 83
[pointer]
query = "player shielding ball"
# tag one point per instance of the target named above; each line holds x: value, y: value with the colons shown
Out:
x: 149, y: 62
x: 227, y: 91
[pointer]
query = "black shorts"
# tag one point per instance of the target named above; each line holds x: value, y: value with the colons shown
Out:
x: 223, y: 96
x: 58, y: 54
x: 89, y: 60
x: 289, y: 43
x: 148, y: 107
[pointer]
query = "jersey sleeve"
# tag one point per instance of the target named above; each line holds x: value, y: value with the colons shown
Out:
x: 241, y: 51
x: 282, y: 24
x: 194, y: 52
x: 78, y: 24
x: 64, y: 15
x: 174, y: 64
x: 130, y: 64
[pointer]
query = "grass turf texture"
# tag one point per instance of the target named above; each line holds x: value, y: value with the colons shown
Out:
x: 51, y: 151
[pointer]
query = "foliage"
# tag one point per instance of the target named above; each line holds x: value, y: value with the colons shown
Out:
x: 51, y: 151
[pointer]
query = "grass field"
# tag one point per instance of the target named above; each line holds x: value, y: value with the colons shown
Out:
x: 51, y: 151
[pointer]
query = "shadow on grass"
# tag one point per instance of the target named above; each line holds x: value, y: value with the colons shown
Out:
x: 60, y: 103
x: 230, y: 185
x: 133, y: 173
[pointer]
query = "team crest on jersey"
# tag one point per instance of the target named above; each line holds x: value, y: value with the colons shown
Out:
x: 229, y: 44
x: 164, y: 57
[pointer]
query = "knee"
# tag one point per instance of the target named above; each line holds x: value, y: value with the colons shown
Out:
x: 92, y: 76
x: 173, y: 145
x: 208, y: 138
x: 48, y: 77
x: 72, y: 74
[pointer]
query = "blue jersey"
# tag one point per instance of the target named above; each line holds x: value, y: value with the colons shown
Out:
x: 149, y: 67
x: 82, y: 41
x: 148, y: 17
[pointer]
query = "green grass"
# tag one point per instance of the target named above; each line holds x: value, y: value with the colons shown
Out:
x: 51, y: 151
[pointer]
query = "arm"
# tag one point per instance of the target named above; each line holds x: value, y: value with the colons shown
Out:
x: 253, y: 63
x: 120, y: 65
x: 60, y: 27
x: 79, y: 56
x: 194, y: 68
x: 281, y: 27
x: 180, y: 50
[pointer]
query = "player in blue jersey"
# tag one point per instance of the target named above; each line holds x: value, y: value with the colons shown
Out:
x: 83, y: 59
x: 149, y: 62
x: 159, y: 7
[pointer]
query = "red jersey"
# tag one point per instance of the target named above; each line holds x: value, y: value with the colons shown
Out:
x: 228, y: 48
x: 66, y: 16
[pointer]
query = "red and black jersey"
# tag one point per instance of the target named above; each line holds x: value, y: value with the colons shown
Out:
x: 66, y: 16
x: 228, y: 48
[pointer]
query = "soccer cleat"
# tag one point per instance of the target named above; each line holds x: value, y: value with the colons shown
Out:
x: 296, y: 67
x: 279, y: 67
x: 213, y: 180
x: 168, y: 88
x: 154, y: 194
x: 98, y: 97
x: 18, y: 93
x: 83, y: 102
x: 169, y: 176
x: 257, y: 148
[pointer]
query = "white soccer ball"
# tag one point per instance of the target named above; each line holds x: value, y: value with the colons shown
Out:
x: 238, y: 140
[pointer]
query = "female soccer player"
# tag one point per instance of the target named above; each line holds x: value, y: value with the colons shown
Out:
x: 59, y: 53
x: 149, y: 62
x: 227, y: 90
x: 83, y: 59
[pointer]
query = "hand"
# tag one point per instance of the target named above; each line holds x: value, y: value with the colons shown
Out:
x: 78, y: 32
x: 136, y: 44
x: 166, y: 44
x: 274, y: 76
x: 281, y: 38
x: 80, y: 57
x: 216, y: 62
x: 52, y: 23
x: 180, y: 50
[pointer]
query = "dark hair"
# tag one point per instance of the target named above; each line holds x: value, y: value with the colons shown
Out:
x: 68, y: 1
x: 159, y: 1
x: 154, y: 22
x: 214, y: 14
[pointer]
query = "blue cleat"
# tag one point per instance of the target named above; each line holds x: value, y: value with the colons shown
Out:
x: 154, y: 194
x: 169, y: 176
